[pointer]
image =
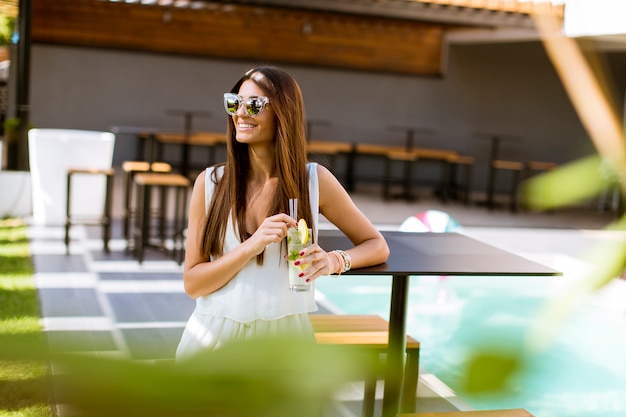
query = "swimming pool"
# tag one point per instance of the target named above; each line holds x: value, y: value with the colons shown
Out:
x: 582, y: 373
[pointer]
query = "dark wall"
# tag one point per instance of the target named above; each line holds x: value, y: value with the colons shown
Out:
x: 506, y: 89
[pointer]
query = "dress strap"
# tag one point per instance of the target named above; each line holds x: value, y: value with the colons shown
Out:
x: 209, y: 185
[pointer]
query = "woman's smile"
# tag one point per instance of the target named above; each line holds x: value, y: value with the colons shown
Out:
x: 242, y: 125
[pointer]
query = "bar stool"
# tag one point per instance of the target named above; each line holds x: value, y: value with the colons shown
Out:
x: 144, y: 182
x: 515, y: 168
x: 129, y: 169
x: 407, y: 158
x: 369, y: 333
x: 451, y: 187
x: 105, y: 219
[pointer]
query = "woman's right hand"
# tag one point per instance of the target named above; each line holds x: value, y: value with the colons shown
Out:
x: 273, y: 229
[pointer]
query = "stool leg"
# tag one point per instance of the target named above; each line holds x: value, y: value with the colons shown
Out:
x: 448, y: 181
x: 491, y: 186
x: 514, y: 185
x: 127, y: 198
x: 411, y: 372
x: 211, y: 157
x: 163, y: 194
x: 142, y: 211
x: 350, y: 162
x: 106, y: 223
x: 468, y: 181
x: 130, y: 213
x: 183, y: 224
x: 387, y: 179
x: 179, y: 223
x: 158, y: 150
x: 67, y: 213
x: 175, y: 248
x: 408, y: 180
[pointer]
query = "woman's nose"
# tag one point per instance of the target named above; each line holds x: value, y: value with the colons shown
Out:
x: 242, y: 106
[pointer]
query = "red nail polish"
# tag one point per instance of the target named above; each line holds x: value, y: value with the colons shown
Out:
x: 308, y: 280
x: 296, y: 263
x: 301, y: 274
x: 302, y: 253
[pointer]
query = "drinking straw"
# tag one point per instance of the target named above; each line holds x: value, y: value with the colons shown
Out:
x: 293, y: 208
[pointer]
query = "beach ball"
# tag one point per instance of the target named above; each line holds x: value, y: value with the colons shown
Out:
x: 430, y: 221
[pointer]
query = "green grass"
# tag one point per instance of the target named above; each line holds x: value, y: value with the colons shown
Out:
x: 23, y: 384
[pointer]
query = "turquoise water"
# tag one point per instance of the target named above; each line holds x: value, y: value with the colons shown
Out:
x: 581, y: 373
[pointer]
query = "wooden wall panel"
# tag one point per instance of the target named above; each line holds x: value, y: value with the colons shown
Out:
x: 245, y: 32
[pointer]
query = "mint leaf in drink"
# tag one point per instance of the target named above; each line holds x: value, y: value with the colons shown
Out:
x: 294, y: 254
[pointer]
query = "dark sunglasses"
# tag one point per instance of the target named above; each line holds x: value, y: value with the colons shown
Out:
x: 254, y: 105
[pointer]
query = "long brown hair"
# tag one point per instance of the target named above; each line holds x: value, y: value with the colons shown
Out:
x: 290, y: 155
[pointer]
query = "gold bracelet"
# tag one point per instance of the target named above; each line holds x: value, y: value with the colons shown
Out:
x: 347, y: 260
x: 341, y: 263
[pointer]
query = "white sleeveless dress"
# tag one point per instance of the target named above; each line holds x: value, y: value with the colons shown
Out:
x: 255, y: 302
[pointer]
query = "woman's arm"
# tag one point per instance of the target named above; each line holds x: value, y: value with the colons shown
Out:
x: 201, y: 276
x: 370, y: 247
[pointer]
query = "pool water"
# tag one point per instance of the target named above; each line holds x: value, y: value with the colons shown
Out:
x: 581, y: 373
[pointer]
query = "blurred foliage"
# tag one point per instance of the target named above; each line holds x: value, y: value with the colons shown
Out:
x: 568, y: 185
x: 272, y: 377
x: 491, y: 371
x: 7, y: 27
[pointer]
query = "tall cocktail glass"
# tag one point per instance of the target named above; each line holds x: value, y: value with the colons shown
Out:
x: 294, y: 247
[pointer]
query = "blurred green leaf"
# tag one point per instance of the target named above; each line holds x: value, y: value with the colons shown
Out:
x: 490, y: 371
x: 567, y: 185
x: 273, y: 377
x: 7, y: 27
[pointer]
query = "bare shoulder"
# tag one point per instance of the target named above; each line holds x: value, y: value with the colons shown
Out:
x: 331, y: 191
x: 200, y: 179
x: 326, y: 177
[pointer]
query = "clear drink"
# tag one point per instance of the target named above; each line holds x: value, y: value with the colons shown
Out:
x: 294, y: 247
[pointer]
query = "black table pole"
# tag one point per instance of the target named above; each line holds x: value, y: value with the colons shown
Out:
x: 394, y: 379
x: 491, y: 184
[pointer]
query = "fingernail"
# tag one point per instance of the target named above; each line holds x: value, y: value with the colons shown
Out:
x: 302, y: 253
x: 296, y: 263
x: 308, y: 280
x: 301, y: 274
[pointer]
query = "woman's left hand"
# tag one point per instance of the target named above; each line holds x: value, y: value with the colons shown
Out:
x: 319, y: 263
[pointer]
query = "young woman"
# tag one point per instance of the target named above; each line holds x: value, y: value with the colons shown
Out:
x: 235, y: 262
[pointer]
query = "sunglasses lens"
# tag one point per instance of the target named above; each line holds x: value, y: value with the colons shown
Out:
x: 254, y: 106
x: 231, y: 104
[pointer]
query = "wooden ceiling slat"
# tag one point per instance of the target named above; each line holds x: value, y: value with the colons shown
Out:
x: 245, y: 32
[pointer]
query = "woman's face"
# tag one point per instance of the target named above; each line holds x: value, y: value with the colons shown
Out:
x: 254, y: 130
